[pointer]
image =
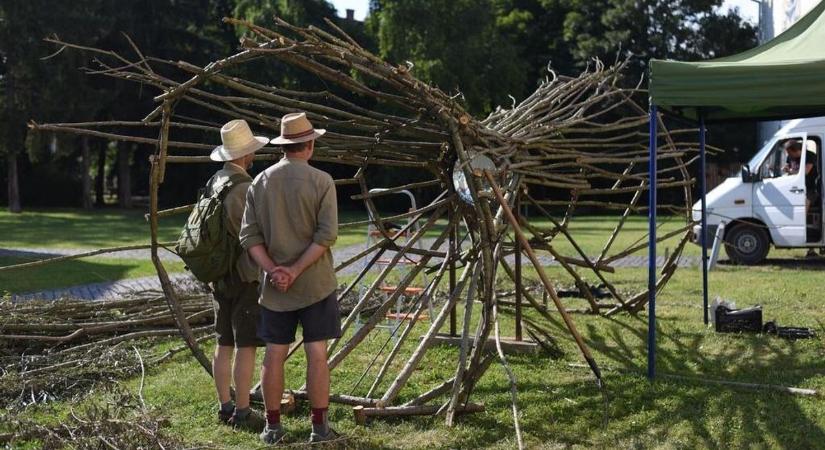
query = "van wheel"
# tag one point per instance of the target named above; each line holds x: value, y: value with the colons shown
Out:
x: 746, y: 244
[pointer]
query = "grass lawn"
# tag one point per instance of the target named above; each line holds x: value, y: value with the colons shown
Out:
x: 74, y: 228
x: 560, y: 405
x: 74, y: 272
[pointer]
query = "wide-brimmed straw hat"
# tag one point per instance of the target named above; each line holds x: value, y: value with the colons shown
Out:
x: 295, y: 128
x: 238, y: 141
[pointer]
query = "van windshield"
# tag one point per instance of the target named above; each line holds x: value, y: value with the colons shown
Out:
x: 772, y: 147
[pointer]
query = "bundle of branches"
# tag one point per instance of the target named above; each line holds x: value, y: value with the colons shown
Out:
x: 122, y: 422
x: 577, y: 142
x: 51, y: 349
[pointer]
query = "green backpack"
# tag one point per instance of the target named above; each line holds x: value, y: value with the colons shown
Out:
x: 205, y: 244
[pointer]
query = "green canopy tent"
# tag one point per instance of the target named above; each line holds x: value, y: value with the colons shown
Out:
x: 783, y: 78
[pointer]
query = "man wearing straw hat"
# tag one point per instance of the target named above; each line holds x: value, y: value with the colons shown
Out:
x: 236, y: 295
x: 289, y: 225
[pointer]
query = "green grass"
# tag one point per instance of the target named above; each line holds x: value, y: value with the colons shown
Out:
x: 560, y: 405
x: 74, y: 272
x: 71, y: 228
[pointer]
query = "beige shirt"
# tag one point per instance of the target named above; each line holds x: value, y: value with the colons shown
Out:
x: 289, y: 206
x: 234, y: 205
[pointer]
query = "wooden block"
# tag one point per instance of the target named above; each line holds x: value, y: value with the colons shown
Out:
x: 287, y: 404
x: 359, y: 415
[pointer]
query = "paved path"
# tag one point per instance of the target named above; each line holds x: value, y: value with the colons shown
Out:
x: 113, y: 290
x: 183, y: 281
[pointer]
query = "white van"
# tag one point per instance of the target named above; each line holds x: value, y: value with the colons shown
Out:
x: 767, y: 204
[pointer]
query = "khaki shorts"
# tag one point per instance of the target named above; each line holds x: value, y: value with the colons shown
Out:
x: 236, y: 312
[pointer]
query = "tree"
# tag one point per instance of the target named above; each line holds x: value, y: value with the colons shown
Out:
x: 674, y: 29
x: 453, y: 44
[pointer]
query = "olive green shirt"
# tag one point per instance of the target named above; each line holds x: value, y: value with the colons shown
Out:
x: 289, y: 206
x: 233, y: 206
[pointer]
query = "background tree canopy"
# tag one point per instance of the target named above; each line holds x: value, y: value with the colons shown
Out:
x: 483, y: 51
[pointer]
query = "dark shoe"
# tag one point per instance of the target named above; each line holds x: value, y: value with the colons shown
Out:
x: 225, y: 411
x: 250, y: 421
x: 330, y: 436
x: 811, y: 254
x: 224, y: 417
x: 272, y: 436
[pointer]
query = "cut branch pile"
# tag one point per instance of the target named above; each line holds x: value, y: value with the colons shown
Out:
x: 575, y: 144
x: 123, y: 422
x: 52, y: 349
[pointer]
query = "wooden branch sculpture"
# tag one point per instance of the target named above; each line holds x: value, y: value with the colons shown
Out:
x: 574, y: 143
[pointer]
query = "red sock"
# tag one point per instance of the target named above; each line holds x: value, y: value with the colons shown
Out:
x: 273, y: 417
x: 319, y: 415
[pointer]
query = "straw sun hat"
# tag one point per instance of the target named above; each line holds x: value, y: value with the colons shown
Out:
x: 238, y: 141
x: 296, y: 128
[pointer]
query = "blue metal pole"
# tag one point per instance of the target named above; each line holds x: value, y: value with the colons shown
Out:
x: 704, y: 235
x: 651, y: 249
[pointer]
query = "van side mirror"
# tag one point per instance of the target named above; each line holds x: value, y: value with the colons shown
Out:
x: 747, y: 176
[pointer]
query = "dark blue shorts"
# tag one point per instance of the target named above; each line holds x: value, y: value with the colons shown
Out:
x: 320, y: 321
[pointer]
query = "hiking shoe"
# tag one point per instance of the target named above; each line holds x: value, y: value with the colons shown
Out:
x: 331, y: 435
x: 249, y: 421
x: 224, y: 417
x: 272, y: 435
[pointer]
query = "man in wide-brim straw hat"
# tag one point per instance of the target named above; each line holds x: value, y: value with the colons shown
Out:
x: 290, y: 223
x: 236, y: 295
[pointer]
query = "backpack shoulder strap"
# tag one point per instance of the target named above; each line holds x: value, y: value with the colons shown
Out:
x: 234, y: 180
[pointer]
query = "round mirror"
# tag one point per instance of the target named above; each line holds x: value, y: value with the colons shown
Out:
x: 477, y: 164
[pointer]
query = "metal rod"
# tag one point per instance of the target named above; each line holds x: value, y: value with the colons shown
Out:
x: 651, y: 249
x: 704, y: 236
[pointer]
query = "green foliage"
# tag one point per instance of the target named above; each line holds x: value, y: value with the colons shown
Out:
x: 454, y: 45
x: 482, y: 50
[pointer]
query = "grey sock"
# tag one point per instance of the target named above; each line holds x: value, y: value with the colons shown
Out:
x: 323, y: 427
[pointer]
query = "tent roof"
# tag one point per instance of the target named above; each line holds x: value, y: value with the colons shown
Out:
x: 783, y: 78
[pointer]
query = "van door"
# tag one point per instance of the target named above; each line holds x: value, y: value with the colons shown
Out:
x: 779, y: 195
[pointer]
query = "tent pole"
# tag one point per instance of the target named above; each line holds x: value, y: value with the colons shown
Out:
x: 704, y: 235
x: 651, y: 250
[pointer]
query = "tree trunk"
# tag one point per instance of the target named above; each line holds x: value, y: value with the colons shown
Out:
x: 85, y: 166
x: 100, y: 177
x: 124, y: 174
x: 13, y: 182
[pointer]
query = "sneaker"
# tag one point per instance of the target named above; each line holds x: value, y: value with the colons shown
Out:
x: 330, y: 436
x: 272, y: 435
x: 225, y: 412
x: 224, y: 417
x: 250, y: 421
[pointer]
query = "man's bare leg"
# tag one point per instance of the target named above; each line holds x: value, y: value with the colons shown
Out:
x: 272, y: 386
x: 242, y: 373
x: 317, y: 374
x: 222, y: 370
x: 318, y: 385
x: 222, y: 373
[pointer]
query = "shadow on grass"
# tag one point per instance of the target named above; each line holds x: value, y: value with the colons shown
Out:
x: 706, y: 415
x: 817, y: 263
